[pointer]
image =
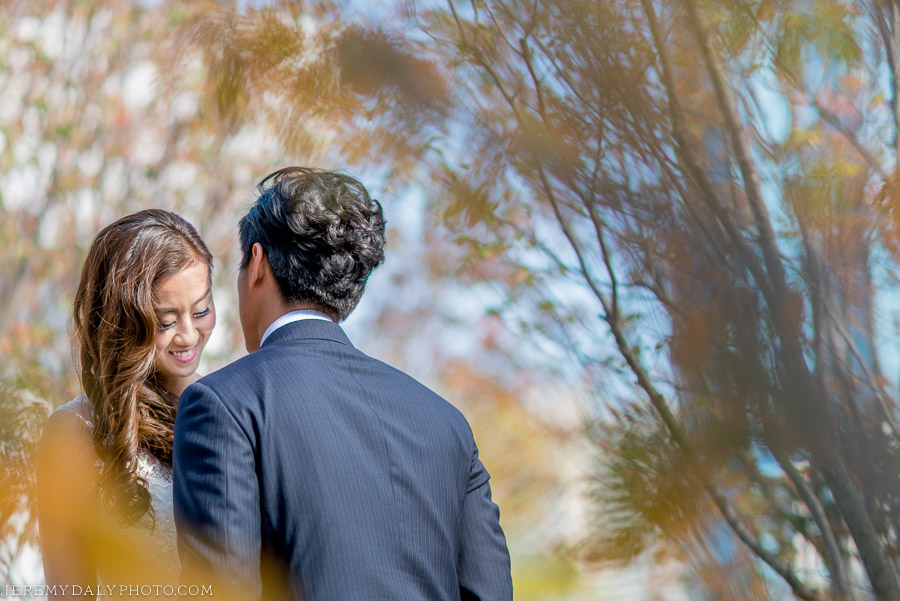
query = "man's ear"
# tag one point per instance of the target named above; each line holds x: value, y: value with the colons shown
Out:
x: 259, y: 265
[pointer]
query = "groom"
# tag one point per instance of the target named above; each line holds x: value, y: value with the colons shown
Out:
x: 308, y: 470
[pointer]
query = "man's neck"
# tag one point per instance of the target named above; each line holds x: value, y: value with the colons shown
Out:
x: 291, y: 313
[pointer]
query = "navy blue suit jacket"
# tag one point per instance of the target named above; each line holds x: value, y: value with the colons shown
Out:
x: 308, y: 470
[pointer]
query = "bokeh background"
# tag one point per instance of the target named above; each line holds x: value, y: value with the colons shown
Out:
x: 648, y: 247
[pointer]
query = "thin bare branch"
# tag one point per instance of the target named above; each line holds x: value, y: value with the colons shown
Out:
x: 742, y: 152
x: 835, y: 122
x: 887, y: 19
x: 692, y: 166
x: 870, y: 381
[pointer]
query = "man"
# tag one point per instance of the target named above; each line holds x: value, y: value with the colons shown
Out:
x: 308, y: 470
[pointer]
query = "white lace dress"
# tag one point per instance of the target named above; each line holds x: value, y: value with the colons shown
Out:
x: 152, y: 546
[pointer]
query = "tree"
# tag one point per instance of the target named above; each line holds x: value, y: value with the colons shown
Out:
x: 110, y: 107
x: 713, y: 180
x: 716, y: 180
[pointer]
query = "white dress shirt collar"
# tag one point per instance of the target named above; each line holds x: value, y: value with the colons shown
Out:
x: 291, y: 317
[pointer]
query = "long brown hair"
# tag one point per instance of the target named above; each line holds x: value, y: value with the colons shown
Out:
x: 115, y: 330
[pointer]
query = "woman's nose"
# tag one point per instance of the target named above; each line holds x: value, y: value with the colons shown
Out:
x: 186, y: 334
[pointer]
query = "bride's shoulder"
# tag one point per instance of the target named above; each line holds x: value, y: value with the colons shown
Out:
x: 79, y: 406
x: 66, y: 470
x: 68, y: 430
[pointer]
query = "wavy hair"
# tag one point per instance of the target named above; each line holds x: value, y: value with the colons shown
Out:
x: 115, y: 329
x: 322, y: 234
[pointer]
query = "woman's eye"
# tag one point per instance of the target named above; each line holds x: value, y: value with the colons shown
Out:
x: 202, y: 313
x: 166, y: 326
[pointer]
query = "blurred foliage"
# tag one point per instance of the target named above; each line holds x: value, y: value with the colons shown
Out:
x: 524, y: 459
x: 645, y: 488
x: 21, y: 419
x: 696, y: 198
x: 24, y: 383
x: 109, y: 107
x: 688, y: 205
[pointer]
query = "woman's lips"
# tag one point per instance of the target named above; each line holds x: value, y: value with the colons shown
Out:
x: 185, y: 356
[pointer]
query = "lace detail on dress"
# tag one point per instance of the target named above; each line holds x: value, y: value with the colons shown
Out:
x: 156, y: 538
x: 163, y: 539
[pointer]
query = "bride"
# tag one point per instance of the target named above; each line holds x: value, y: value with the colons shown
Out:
x: 143, y: 312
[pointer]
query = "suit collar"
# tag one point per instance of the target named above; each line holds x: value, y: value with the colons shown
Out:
x: 292, y: 316
x: 307, y: 329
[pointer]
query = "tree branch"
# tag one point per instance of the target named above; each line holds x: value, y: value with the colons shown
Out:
x: 741, y: 148
x: 889, y: 27
x: 692, y: 166
x: 832, y: 554
x: 871, y: 551
x: 675, y: 430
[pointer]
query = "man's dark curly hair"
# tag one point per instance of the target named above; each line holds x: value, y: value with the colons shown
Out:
x: 322, y: 234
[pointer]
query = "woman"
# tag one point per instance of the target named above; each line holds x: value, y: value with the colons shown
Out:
x: 143, y: 312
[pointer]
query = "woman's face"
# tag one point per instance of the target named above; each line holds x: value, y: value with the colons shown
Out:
x: 186, y: 316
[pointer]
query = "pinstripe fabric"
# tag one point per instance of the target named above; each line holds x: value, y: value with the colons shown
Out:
x: 362, y: 483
